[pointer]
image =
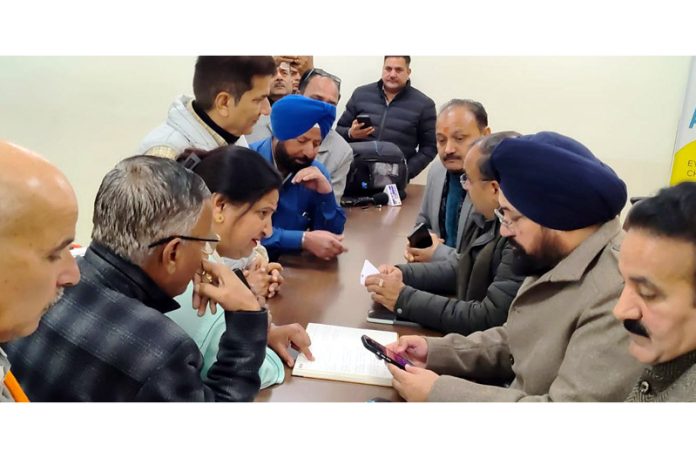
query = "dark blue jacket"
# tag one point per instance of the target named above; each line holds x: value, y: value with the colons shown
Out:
x: 107, y: 339
x: 299, y: 209
x: 408, y: 121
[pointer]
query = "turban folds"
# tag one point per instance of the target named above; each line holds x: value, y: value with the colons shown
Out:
x: 557, y: 182
x: 293, y: 115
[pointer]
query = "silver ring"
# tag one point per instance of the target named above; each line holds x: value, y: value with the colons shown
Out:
x: 381, y: 282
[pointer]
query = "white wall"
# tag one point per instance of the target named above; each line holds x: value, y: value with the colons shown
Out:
x: 86, y: 113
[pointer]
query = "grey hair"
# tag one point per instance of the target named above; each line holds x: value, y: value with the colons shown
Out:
x: 476, y: 108
x: 144, y: 199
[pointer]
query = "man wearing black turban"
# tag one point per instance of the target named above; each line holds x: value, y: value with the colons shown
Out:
x: 559, y: 208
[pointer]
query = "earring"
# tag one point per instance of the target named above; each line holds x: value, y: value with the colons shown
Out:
x: 219, y: 218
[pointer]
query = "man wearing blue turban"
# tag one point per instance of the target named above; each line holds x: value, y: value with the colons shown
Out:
x: 559, y: 208
x: 308, y: 216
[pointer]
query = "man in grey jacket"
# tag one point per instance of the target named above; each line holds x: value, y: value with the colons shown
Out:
x: 334, y: 152
x: 231, y: 93
x: 481, y: 277
x: 658, y: 304
x: 445, y: 208
x: 559, y: 208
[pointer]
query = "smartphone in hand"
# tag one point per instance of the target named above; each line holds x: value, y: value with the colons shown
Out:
x: 384, y: 353
x: 365, y: 120
x: 420, y: 237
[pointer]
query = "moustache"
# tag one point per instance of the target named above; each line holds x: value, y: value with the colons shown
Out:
x: 451, y: 156
x: 636, y: 327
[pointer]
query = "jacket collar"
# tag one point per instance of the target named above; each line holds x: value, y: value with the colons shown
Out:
x: 128, y: 279
x: 486, y: 230
x: 573, y: 267
x: 406, y: 88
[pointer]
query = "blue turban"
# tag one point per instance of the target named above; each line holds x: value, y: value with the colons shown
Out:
x: 293, y: 115
x: 557, y: 182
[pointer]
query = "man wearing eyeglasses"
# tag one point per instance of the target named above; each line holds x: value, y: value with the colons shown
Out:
x: 559, y: 208
x: 400, y: 114
x: 481, y: 276
x: 445, y: 209
x: 334, y: 152
x: 108, y: 339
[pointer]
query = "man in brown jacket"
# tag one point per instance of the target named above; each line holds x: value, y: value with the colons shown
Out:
x: 559, y: 207
x: 658, y: 303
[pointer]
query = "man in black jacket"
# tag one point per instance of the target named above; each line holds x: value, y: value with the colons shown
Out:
x: 107, y: 339
x: 481, y: 275
x: 400, y: 114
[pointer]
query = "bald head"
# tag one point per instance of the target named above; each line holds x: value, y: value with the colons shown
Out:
x: 29, y: 184
x: 38, y: 212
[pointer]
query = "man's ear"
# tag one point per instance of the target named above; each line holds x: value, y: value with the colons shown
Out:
x: 170, y: 255
x: 486, y: 131
x: 222, y: 103
x: 496, y: 188
x: 408, y: 71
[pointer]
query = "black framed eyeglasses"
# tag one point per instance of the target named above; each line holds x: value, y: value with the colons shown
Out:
x: 319, y: 72
x: 207, y: 248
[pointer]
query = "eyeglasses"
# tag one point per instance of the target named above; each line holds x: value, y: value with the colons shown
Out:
x: 319, y: 72
x: 208, y: 248
x: 463, y: 178
x: 505, y: 222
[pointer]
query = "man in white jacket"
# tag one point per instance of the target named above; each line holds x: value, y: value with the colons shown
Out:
x: 230, y: 94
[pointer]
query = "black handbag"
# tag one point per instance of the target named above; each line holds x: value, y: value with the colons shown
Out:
x: 376, y: 164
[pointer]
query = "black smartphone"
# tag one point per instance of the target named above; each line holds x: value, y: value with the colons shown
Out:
x: 384, y: 353
x: 239, y: 273
x: 420, y: 237
x: 365, y: 120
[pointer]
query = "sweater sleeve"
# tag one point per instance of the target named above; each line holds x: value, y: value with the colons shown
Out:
x: 233, y: 377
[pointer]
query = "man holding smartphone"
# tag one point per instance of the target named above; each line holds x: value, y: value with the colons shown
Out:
x: 481, y: 276
x: 398, y: 112
x: 446, y: 207
x: 560, y: 341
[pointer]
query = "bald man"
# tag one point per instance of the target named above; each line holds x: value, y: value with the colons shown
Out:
x: 38, y: 212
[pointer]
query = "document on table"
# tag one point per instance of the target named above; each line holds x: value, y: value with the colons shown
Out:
x: 340, y: 355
